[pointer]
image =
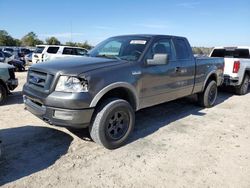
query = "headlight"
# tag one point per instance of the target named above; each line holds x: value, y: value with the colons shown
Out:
x: 71, y: 84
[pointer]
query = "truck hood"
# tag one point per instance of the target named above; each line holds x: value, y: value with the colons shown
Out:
x: 75, y: 65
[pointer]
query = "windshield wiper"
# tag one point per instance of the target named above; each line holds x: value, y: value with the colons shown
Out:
x: 109, y: 56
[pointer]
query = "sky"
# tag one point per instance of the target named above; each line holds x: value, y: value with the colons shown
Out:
x: 204, y: 23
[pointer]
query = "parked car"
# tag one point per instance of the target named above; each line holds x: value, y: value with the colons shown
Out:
x: 237, y: 67
x: 8, y: 57
x: 50, y: 52
x: 22, y: 52
x: 2, y: 57
x: 28, y: 59
x: 8, y: 49
x: 8, y: 81
x: 121, y: 75
x: 19, y: 65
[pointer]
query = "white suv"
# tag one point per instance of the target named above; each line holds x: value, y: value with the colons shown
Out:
x: 50, y: 52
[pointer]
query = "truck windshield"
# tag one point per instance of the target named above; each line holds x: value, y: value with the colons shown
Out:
x: 233, y: 53
x: 126, y: 48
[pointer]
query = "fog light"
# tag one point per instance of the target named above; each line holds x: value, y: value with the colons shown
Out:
x: 63, y: 115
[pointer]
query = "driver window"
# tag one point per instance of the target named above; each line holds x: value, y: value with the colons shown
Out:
x: 162, y: 46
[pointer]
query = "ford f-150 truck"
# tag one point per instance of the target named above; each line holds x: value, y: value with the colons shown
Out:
x: 237, y: 67
x: 121, y: 75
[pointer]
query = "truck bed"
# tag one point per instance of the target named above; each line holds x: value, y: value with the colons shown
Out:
x: 204, y: 67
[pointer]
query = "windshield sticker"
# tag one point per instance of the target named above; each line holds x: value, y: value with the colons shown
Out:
x: 138, y: 42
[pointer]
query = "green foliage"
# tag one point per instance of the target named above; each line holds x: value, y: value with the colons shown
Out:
x: 31, y: 39
x: 201, y: 50
x: 85, y: 45
x: 7, y: 40
x: 53, y: 41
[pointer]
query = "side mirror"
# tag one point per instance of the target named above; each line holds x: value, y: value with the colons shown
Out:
x: 158, y: 59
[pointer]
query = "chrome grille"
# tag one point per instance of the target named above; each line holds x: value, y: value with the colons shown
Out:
x: 40, y: 80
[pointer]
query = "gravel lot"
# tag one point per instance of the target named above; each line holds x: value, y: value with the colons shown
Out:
x: 174, y: 145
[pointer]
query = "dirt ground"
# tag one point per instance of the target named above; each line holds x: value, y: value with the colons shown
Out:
x: 174, y: 145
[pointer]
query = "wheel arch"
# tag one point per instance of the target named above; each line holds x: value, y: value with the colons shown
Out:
x: 120, y: 90
x: 247, y: 71
x: 211, y: 76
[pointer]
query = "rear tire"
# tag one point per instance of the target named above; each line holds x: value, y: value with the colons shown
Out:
x: 112, y: 124
x: 243, y: 88
x: 208, y: 97
x: 3, y: 94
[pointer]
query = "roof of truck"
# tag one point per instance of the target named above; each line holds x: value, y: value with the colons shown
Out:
x: 148, y: 35
x: 239, y: 47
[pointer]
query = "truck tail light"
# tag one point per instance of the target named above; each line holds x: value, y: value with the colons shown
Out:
x: 236, y: 67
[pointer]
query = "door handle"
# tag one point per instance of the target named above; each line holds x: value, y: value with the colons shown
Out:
x: 177, y: 69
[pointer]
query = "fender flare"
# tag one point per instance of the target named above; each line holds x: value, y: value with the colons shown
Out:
x: 208, y: 76
x: 108, y: 88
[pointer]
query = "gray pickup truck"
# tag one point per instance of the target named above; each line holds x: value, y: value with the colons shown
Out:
x: 121, y: 75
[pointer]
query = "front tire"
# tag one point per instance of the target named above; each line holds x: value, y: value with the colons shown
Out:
x: 208, y: 97
x: 112, y: 124
x: 243, y: 88
x: 3, y: 94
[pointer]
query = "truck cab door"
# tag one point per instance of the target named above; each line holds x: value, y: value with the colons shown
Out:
x: 186, y: 70
x: 160, y: 82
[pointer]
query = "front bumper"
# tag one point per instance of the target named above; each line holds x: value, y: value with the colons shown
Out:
x: 79, y: 118
x: 12, y: 84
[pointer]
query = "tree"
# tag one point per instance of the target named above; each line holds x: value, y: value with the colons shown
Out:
x: 17, y: 42
x: 53, y: 41
x: 85, y: 45
x: 202, y: 50
x: 6, y: 39
x: 31, y: 39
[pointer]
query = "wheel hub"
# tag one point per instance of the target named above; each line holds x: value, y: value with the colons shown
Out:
x: 117, y: 125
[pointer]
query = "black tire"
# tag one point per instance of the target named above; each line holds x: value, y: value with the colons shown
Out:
x: 208, y: 97
x: 112, y: 123
x: 3, y: 94
x: 243, y: 88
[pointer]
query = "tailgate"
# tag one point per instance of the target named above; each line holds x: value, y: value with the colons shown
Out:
x: 229, y: 66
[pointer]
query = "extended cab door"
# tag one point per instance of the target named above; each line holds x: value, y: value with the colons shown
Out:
x: 187, y: 65
x: 160, y: 82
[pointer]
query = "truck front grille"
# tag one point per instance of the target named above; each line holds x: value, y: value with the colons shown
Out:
x: 40, y: 80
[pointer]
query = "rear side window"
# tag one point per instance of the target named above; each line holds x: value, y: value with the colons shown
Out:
x: 181, y: 48
x: 52, y: 50
x: 233, y: 53
x: 1, y: 54
x: 9, y: 50
x: 80, y: 51
x: 39, y: 50
x: 68, y: 51
x: 7, y: 54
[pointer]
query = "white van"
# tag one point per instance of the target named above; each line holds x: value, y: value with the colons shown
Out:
x: 50, y: 52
